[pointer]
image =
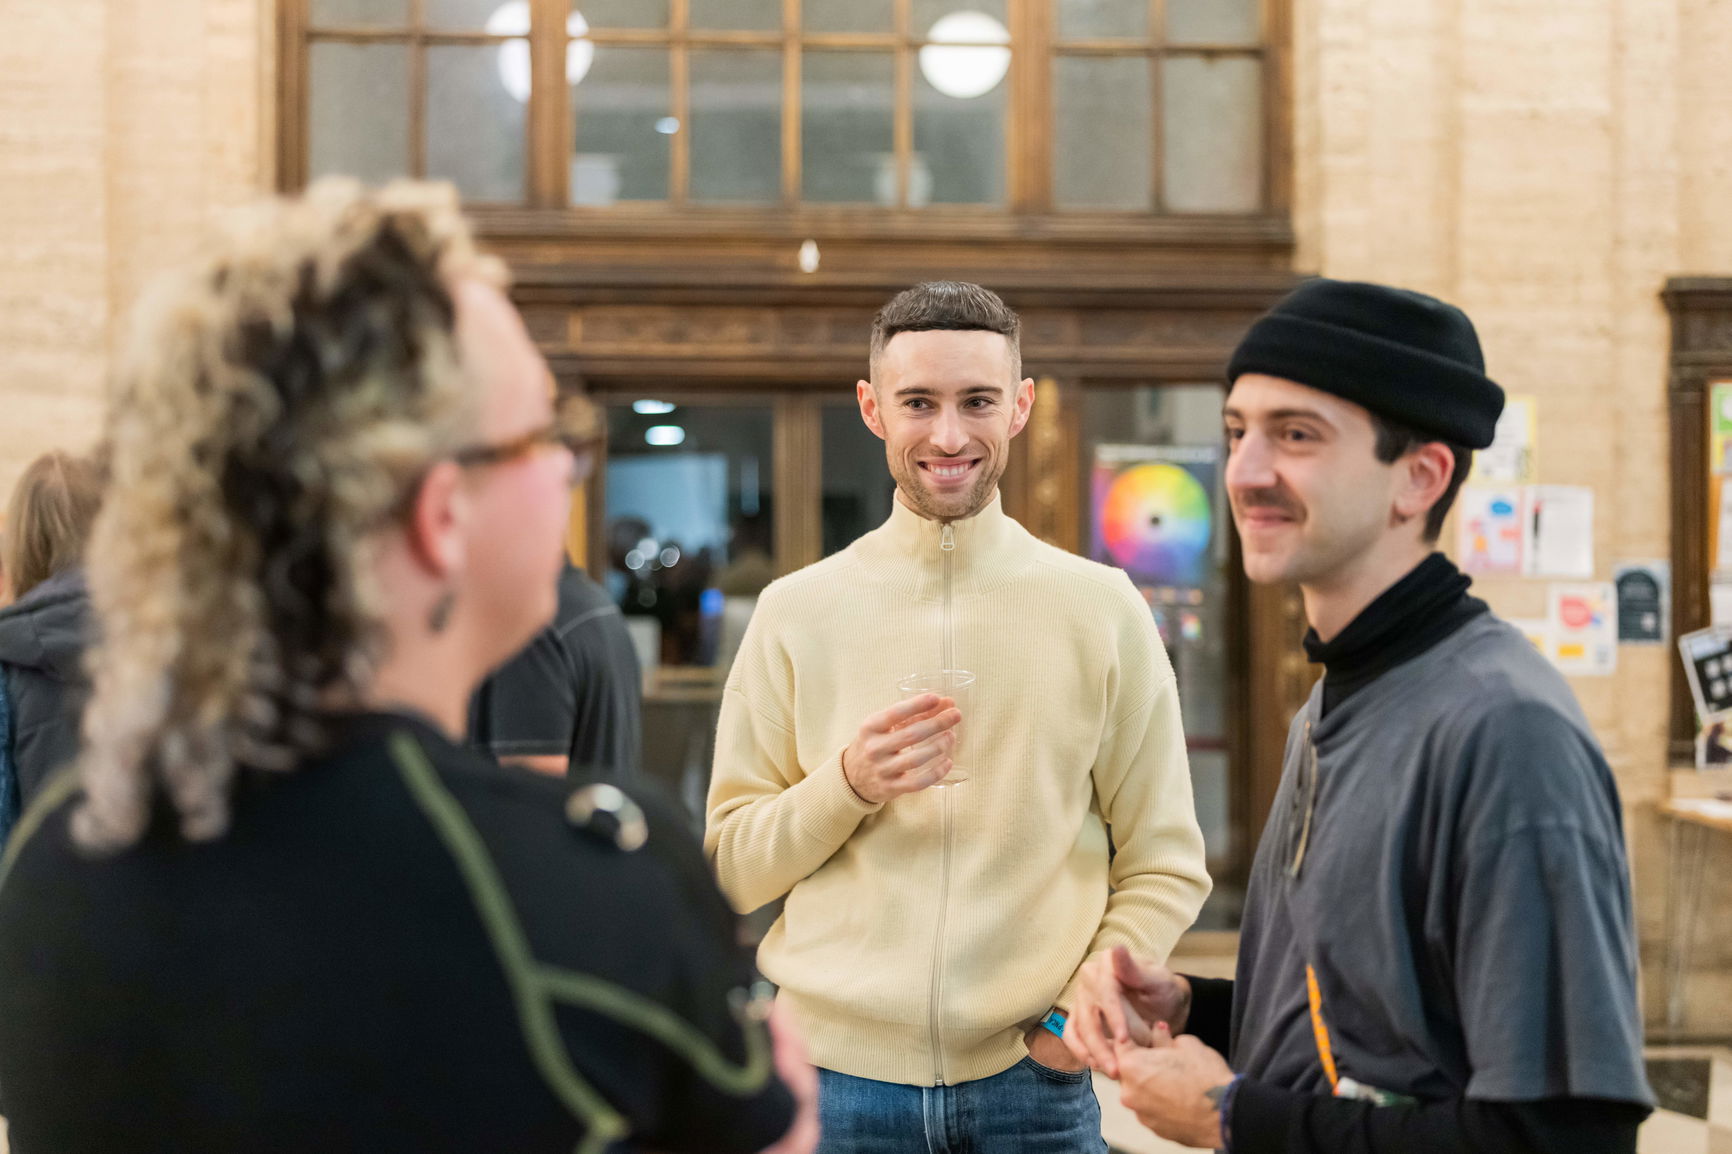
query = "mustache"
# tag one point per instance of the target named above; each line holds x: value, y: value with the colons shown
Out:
x: 1280, y: 500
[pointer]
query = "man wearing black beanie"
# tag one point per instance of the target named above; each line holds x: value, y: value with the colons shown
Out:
x: 1437, y: 950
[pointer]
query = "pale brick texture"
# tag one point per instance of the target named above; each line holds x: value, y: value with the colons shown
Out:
x: 124, y: 128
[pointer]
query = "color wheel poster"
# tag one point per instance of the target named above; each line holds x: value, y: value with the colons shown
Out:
x: 1154, y: 512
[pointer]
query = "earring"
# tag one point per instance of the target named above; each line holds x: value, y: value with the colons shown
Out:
x: 440, y: 616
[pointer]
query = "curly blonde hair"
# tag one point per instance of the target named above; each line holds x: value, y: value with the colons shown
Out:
x: 279, y: 406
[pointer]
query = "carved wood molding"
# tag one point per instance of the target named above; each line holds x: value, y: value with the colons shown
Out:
x: 1050, y: 508
x: 1701, y: 313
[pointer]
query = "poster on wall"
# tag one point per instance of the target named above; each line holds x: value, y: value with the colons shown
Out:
x: 1491, y: 529
x: 1584, y: 621
x: 1720, y: 476
x: 1644, y: 601
x: 1509, y: 459
x: 1562, y: 539
x: 1152, y: 512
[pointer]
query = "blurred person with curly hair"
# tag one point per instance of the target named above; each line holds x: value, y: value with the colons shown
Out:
x: 278, y: 906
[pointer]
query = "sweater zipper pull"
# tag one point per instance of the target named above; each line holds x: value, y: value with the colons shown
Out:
x: 947, y: 538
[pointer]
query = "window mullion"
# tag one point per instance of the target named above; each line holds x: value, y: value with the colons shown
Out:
x: 792, y: 160
x: 679, y: 98
x: 1157, y: 104
x: 294, y: 113
x: 1030, y: 131
x: 549, y: 168
x: 902, y: 122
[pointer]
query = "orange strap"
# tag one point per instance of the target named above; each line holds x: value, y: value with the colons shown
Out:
x: 1318, y: 1029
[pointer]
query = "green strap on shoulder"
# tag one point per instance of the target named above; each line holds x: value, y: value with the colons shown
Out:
x: 537, y: 987
x: 49, y: 797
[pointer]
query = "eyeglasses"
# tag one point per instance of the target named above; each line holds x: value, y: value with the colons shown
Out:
x: 1304, y: 804
x: 551, y: 436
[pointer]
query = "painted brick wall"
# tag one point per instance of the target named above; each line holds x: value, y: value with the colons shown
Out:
x: 124, y: 128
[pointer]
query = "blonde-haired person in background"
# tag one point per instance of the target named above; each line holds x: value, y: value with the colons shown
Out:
x: 279, y: 907
x: 44, y: 630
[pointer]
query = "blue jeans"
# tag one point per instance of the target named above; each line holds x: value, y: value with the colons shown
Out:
x: 1028, y: 1109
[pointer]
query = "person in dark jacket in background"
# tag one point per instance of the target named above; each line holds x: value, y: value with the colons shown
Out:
x: 43, y: 631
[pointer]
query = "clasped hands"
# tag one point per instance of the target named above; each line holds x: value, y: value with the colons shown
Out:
x: 1127, y: 1020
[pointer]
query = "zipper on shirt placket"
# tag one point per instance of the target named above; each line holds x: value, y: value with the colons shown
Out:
x: 947, y: 546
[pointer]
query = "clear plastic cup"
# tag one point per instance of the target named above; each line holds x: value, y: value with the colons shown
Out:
x: 958, y: 685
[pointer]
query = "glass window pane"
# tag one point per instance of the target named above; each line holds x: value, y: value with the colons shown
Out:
x: 847, y: 103
x: 1213, y: 121
x: 736, y: 124
x: 1212, y: 21
x: 689, y: 519
x: 359, y: 110
x: 1154, y: 506
x: 848, y: 16
x: 471, y: 15
x: 857, y: 489
x: 1102, y: 129
x: 1103, y: 19
x: 622, y: 13
x: 360, y: 13
x: 959, y: 130
x: 927, y: 13
x: 737, y: 15
x: 623, y: 126
x: 475, y: 125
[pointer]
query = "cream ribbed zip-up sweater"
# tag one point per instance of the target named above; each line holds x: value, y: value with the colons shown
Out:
x: 921, y: 938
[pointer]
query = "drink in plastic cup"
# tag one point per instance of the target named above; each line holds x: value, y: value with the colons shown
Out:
x: 958, y: 685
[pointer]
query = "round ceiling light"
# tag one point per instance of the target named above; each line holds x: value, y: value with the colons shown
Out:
x: 966, y: 57
x: 512, y: 19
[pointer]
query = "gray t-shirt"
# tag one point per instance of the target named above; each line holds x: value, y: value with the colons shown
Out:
x: 1463, y: 898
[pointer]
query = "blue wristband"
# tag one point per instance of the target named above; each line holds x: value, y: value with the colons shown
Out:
x: 1225, y: 1109
x: 1054, y: 1021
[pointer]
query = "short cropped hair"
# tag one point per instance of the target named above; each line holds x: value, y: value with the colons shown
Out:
x: 950, y: 306
x: 1395, y: 440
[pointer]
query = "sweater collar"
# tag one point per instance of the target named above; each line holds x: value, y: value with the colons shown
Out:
x: 905, y: 552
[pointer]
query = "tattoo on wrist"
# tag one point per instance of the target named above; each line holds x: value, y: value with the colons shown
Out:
x: 1214, y: 1094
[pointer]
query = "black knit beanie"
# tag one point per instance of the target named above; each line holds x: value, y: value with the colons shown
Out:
x: 1401, y: 354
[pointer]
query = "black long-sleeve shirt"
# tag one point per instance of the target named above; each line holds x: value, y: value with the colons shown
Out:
x: 1271, y: 1120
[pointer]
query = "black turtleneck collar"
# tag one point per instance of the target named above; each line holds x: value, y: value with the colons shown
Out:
x: 1404, y: 621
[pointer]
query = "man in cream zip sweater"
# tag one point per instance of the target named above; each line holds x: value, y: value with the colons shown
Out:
x: 930, y: 933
